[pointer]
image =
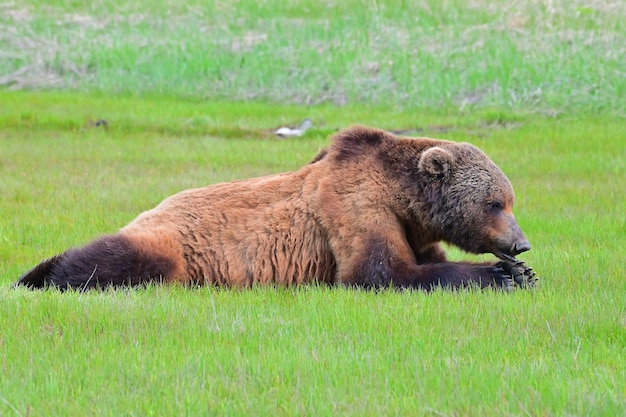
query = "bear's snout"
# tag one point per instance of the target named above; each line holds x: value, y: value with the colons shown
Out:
x: 519, y: 242
x: 509, y: 240
x: 520, y: 247
x: 509, y: 251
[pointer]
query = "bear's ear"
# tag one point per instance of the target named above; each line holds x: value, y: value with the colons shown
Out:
x: 435, y: 161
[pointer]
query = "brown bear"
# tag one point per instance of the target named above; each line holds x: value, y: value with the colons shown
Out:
x: 370, y: 210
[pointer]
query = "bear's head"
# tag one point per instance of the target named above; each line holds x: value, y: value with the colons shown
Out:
x: 470, y: 200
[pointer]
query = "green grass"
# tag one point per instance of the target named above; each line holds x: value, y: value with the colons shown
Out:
x: 543, y: 56
x: 310, y: 352
x: 557, y: 350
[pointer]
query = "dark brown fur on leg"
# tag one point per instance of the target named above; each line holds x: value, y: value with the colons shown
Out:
x: 381, y: 268
x: 458, y: 275
x: 107, y: 261
x: 38, y: 276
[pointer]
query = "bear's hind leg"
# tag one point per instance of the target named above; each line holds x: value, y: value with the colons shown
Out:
x: 38, y: 276
x: 108, y: 261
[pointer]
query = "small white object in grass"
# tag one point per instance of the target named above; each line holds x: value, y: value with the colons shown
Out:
x: 286, y: 132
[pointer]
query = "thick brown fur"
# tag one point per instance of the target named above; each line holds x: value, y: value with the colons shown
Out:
x: 370, y: 210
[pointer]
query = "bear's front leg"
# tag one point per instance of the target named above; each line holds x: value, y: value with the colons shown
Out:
x: 383, y: 262
x: 456, y: 275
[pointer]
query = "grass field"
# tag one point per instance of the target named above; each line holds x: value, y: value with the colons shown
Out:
x: 191, y: 92
x: 546, y: 55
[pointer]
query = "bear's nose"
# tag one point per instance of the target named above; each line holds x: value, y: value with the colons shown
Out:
x: 520, y: 247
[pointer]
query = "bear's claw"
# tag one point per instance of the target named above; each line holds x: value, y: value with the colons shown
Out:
x: 522, y: 274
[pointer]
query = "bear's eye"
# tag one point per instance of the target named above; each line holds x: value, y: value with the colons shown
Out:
x: 495, y: 206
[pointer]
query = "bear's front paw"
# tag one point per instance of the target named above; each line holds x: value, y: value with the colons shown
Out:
x: 494, y: 276
x: 522, y: 274
x: 502, y: 279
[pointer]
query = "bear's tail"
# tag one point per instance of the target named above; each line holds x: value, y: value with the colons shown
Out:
x: 108, y: 261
